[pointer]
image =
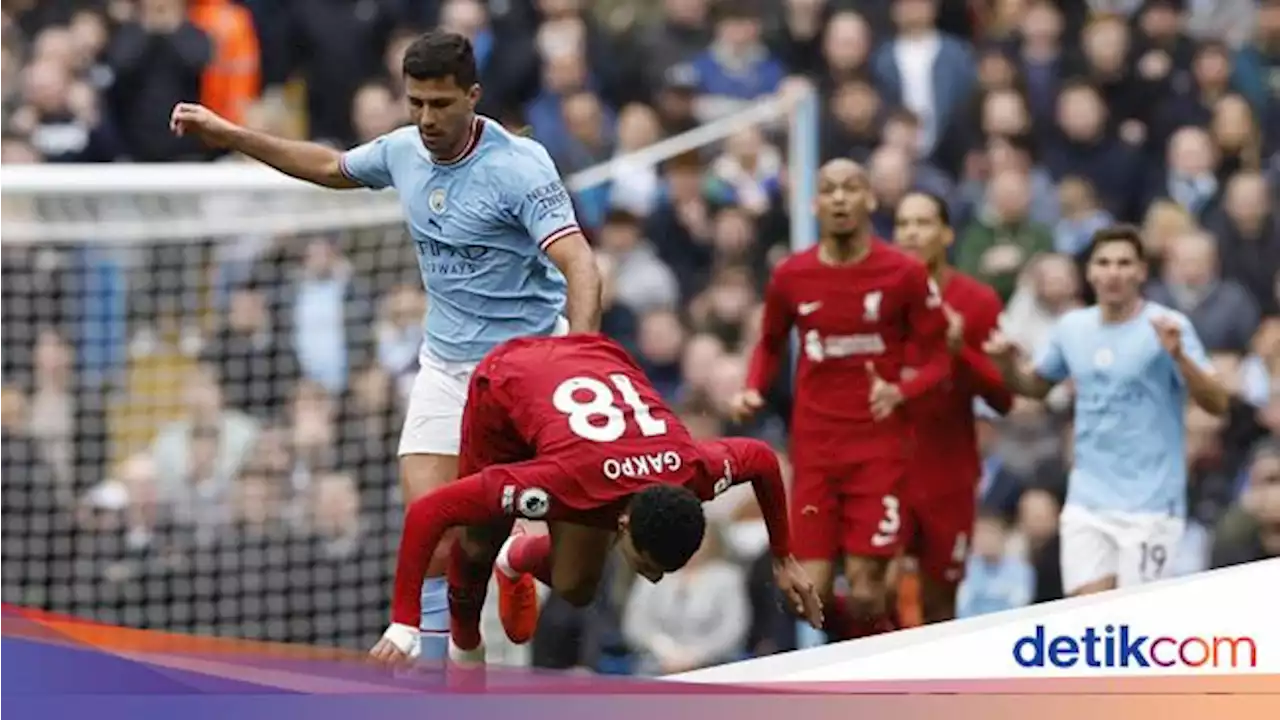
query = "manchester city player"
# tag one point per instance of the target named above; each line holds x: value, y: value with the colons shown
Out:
x: 498, y: 245
x: 1133, y: 364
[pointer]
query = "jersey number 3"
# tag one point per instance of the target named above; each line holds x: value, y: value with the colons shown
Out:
x: 597, y: 417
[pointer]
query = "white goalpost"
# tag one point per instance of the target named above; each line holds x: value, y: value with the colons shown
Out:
x: 252, y: 501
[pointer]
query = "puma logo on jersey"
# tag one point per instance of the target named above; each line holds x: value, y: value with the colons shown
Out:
x: 808, y: 308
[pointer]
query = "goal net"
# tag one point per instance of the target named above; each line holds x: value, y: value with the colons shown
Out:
x: 203, y: 371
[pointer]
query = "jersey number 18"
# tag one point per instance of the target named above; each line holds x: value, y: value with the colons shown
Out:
x: 602, y: 403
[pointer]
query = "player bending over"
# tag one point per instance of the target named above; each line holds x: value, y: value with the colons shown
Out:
x: 939, y: 497
x: 568, y: 430
x: 1133, y: 364
x: 857, y: 303
x: 497, y: 240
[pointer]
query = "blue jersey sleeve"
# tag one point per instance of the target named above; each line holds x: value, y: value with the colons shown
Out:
x: 1052, y: 361
x: 368, y: 164
x: 539, y: 200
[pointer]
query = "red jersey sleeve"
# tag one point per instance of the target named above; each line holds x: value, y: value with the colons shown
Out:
x: 775, y: 330
x: 984, y: 315
x: 741, y: 460
x: 927, y: 324
x: 474, y: 499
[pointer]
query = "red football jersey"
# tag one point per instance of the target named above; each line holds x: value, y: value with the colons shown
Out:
x: 579, y: 402
x: 575, y: 429
x: 848, y: 316
x: 943, y: 421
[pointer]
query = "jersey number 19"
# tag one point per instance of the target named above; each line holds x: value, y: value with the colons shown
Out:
x: 602, y: 403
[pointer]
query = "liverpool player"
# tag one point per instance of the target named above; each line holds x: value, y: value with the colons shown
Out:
x: 939, y: 497
x: 569, y: 431
x: 857, y: 303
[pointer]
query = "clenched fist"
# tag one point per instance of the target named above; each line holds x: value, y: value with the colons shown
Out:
x: 198, y: 120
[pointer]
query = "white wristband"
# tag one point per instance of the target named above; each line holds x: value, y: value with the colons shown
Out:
x: 404, y: 637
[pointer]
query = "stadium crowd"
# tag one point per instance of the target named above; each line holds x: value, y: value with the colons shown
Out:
x: 264, y: 503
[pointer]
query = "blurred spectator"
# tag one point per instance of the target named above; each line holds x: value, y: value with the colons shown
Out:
x: 337, y: 45
x: 995, y: 580
x: 158, y: 60
x: 1003, y: 239
x: 643, y: 282
x: 1086, y: 148
x: 193, y: 463
x: 1248, y: 237
x: 1081, y: 217
x: 233, y: 79
x: 1223, y: 314
x: 62, y: 117
x: 737, y: 68
x: 254, y: 361
x: 696, y: 617
x: 928, y: 72
x: 1250, y: 531
x: 1259, y: 59
x: 846, y: 49
x: 326, y: 297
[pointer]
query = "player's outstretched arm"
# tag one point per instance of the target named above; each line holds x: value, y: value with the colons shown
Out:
x: 987, y: 379
x: 463, y: 502
x: 766, y: 357
x: 756, y: 463
x: 312, y: 162
x: 1018, y: 377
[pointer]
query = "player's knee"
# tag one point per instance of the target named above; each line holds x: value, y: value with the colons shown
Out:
x: 579, y: 595
x: 577, y: 589
x: 868, y: 590
x: 866, y: 601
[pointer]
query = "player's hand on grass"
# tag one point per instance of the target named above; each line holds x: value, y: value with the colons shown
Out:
x: 198, y: 120
x: 397, y: 647
x: 1170, y: 334
x: 745, y: 405
x: 955, y: 329
x: 885, y: 397
x: 802, y: 596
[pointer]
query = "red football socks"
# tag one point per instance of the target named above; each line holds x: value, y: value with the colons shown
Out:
x: 531, y: 554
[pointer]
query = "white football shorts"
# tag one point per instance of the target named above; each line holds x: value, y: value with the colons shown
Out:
x: 433, y: 419
x: 1135, y: 548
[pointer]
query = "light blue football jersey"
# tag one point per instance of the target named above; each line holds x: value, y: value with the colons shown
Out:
x: 481, y: 225
x: 1130, y: 409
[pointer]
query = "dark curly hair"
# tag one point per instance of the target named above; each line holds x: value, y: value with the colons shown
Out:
x: 667, y: 524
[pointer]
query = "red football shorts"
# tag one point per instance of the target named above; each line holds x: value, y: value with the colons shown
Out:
x: 486, y: 436
x: 850, y: 509
x: 937, y: 526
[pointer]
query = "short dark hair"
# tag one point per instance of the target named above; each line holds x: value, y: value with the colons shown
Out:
x: 437, y: 55
x: 1022, y: 143
x: 1128, y: 234
x: 667, y: 524
x: 904, y: 116
x: 944, y: 211
x: 735, y: 10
